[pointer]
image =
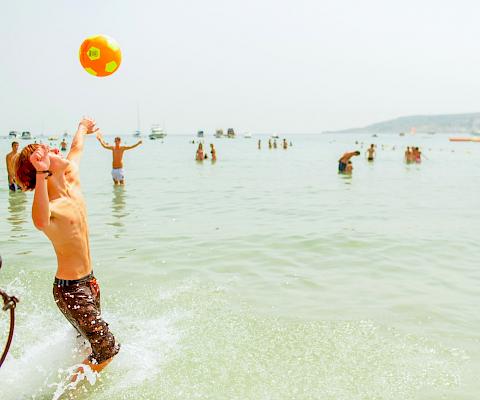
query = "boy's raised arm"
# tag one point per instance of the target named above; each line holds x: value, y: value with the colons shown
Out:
x: 85, y: 127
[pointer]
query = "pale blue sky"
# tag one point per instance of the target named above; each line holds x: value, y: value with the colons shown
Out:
x: 298, y: 66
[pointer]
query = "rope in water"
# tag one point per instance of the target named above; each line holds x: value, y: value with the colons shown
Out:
x: 9, y: 304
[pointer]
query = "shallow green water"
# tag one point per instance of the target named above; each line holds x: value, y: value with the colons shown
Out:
x: 264, y: 276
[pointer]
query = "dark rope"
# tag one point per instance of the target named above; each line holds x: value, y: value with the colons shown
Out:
x: 9, y: 303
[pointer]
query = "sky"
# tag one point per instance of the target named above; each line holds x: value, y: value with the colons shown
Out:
x: 259, y: 66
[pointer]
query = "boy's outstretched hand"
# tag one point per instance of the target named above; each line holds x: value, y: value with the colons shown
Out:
x: 88, y: 125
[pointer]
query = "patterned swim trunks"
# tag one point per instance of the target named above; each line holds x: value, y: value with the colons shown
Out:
x: 79, y: 301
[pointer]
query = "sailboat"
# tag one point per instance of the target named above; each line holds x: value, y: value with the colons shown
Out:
x: 138, y: 132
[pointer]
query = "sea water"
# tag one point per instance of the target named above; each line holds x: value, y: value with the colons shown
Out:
x: 263, y: 276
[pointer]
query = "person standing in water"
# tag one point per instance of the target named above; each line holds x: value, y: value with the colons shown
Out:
x: 10, y: 161
x: 269, y: 143
x: 371, y: 153
x: 63, y: 145
x: 259, y: 144
x: 199, y: 156
x: 285, y: 144
x: 118, y: 174
x: 59, y: 211
x: 343, y: 161
x: 213, y: 152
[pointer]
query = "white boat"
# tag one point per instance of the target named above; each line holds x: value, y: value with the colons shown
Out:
x: 230, y: 133
x: 137, y: 134
x: 275, y: 136
x: 53, y: 138
x: 26, y: 135
x: 219, y: 133
x: 247, y: 136
x: 12, y: 134
x: 156, y: 132
x: 200, y: 134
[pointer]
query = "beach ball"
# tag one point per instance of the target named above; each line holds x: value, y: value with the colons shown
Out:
x: 100, y: 55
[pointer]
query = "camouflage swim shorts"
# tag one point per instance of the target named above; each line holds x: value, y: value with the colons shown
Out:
x: 79, y: 301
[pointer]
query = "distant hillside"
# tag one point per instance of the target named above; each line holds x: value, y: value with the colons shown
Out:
x: 447, y: 123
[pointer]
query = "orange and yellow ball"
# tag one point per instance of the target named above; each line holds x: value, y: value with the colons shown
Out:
x: 100, y: 55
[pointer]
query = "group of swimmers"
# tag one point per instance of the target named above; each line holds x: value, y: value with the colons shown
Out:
x: 273, y: 144
x: 345, y: 166
x: 413, y: 155
x: 202, y: 155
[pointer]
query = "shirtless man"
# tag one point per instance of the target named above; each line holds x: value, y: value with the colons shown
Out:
x: 117, y: 164
x: 59, y: 211
x: 63, y: 145
x: 10, y: 160
x: 371, y: 153
x: 343, y: 161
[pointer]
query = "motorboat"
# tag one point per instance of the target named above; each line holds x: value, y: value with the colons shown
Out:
x: 219, y: 133
x: 230, y: 133
x: 53, y: 138
x: 12, y: 134
x: 247, y: 136
x: 200, y: 134
x: 156, y: 132
x: 26, y: 135
x: 275, y: 136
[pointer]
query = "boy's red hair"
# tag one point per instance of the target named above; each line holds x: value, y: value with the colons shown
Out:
x: 25, y: 172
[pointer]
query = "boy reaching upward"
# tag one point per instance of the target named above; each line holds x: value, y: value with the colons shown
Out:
x: 59, y: 211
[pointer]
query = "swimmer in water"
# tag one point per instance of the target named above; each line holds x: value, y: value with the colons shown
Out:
x: 10, y: 161
x: 63, y: 145
x: 371, y: 153
x: 285, y: 144
x: 118, y: 174
x: 199, y: 156
x: 348, y: 168
x: 343, y: 161
x: 213, y: 152
x: 59, y: 211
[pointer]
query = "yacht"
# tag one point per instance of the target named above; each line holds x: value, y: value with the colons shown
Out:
x: 200, y: 134
x: 275, y: 136
x: 12, y: 134
x: 219, y: 133
x: 53, y: 138
x: 26, y: 135
x: 156, y: 132
x: 230, y: 133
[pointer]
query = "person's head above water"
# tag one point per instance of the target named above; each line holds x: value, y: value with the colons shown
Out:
x: 25, y: 172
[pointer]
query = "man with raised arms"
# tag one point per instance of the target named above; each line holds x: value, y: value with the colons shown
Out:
x: 117, y: 152
x: 10, y: 160
x: 59, y: 211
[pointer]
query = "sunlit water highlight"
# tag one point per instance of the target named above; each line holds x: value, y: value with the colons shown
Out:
x: 263, y: 276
